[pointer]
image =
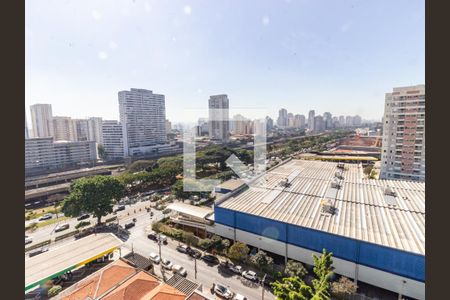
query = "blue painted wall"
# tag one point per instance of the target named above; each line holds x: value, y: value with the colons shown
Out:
x: 391, y: 260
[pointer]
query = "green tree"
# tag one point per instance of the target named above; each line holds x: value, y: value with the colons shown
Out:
x: 295, y: 268
x: 343, y: 288
x: 189, y: 238
x: 262, y: 261
x: 292, y: 288
x: 323, y: 268
x: 101, y: 152
x: 205, y: 244
x: 94, y: 195
x: 141, y: 165
x: 238, y: 252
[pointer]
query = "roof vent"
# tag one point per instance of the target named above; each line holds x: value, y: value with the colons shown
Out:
x: 388, y: 191
x: 338, y: 175
x: 285, y: 183
x: 335, y: 183
x: 340, y: 166
x: 326, y: 207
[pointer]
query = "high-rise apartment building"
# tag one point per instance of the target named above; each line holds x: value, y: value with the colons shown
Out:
x: 403, y: 146
x: 269, y: 123
x: 319, y: 124
x: 341, y: 121
x: 46, y: 155
x: 81, y: 127
x: 311, y: 122
x: 112, y: 140
x: 348, y: 121
x: 327, y: 118
x: 219, y: 127
x: 64, y: 129
x: 168, y: 125
x: 290, y: 120
x: 26, y: 127
x: 95, y: 131
x: 282, y: 120
x: 41, y: 120
x: 143, y: 119
x: 357, y: 120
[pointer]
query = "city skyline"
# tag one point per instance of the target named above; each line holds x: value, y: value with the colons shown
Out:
x: 326, y: 60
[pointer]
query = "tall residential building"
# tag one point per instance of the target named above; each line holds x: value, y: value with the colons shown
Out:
x: 311, y: 117
x: 319, y: 124
x: 403, y: 146
x: 41, y: 120
x: 290, y: 120
x: 282, y: 120
x: 168, y: 125
x: 95, y: 131
x: 81, y: 127
x: 327, y: 118
x: 269, y: 123
x: 26, y: 127
x: 112, y: 139
x: 348, y: 121
x: 239, y: 124
x: 63, y: 128
x: 219, y: 127
x: 46, y: 155
x: 143, y: 119
x: 203, y: 127
x: 341, y: 121
x: 357, y: 120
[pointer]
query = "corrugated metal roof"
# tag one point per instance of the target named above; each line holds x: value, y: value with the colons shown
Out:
x: 362, y: 211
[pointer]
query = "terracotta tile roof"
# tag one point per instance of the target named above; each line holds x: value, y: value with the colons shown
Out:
x: 196, y: 296
x: 101, y: 281
x: 135, y: 288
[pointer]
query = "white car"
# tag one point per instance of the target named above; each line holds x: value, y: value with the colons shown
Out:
x: 223, y: 291
x: 235, y: 269
x: 162, y: 238
x: 154, y: 257
x: 250, y: 275
x: 28, y: 239
x: 239, y: 297
x: 167, y: 264
x: 179, y: 270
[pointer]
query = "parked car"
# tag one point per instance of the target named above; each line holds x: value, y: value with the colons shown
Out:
x: 250, y: 275
x: 162, y: 238
x: 182, y: 248
x: 28, y: 239
x: 46, y: 217
x: 194, y: 253
x: 235, y: 268
x: 62, y: 227
x: 167, y: 264
x: 179, y: 270
x: 152, y: 236
x: 154, y: 258
x: 129, y: 225
x: 239, y: 297
x: 222, y: 291
x: 119, y: 208
x: 83, y: 216
x: 211, y: 259
x: 37, y: 252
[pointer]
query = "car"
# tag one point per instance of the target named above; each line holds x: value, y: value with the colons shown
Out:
x: 194, y: 253
x: 46, y: 217
x: 222, y: 291
x: 211, y: 259
x: 235, y: 268
x: 182, y: 248
x: 154, y: 257
x: 250, y: 275
x: 120, y: 207
x: 177, y: 269
x: 83, y: 216
x: 152, y: 236
x: 129, y: 225
x: 162, y: 238
x: 166, y: 264
x: 239, y: 297
x: 62, y: 227
x: 28, y: 239
x: 37, y: 252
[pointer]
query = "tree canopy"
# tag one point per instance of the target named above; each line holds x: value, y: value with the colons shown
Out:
x: 94, y: 195
x: 262, y: 260
x: 295, y: 268
x: 238, y: 251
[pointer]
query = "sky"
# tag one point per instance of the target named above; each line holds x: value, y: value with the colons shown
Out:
x: 337, y: 56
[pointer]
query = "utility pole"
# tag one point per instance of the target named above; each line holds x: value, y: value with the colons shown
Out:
x: 195, y: 267
x: 262, y: 286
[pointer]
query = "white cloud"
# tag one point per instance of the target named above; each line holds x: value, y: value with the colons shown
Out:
x: 265, y: 20
x: 96, y: 15
x: 187, y: 9
x: 147, y: 6
x: 103, y: 55
x: 112, y: 45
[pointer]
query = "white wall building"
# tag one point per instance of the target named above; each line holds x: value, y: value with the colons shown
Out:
x: 143, y: 116
x: 311, y: 116
x: 219, y: 127
x: 41, y: 119
x: 95, y: 132
x: 64, y: 129
x: 403, y: 145
x: 112, y: 139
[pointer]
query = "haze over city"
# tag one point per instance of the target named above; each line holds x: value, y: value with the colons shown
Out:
x: 300, y: 55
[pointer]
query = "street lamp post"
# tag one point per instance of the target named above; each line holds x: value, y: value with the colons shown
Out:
x: 195, y: 268
x: 262, y: 286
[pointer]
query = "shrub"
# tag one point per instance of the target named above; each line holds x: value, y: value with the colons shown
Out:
x: 54, y: 290
x: 82, y: 224
x: 205, y: 244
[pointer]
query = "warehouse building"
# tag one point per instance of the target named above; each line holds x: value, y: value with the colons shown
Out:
x: 375, y: 228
